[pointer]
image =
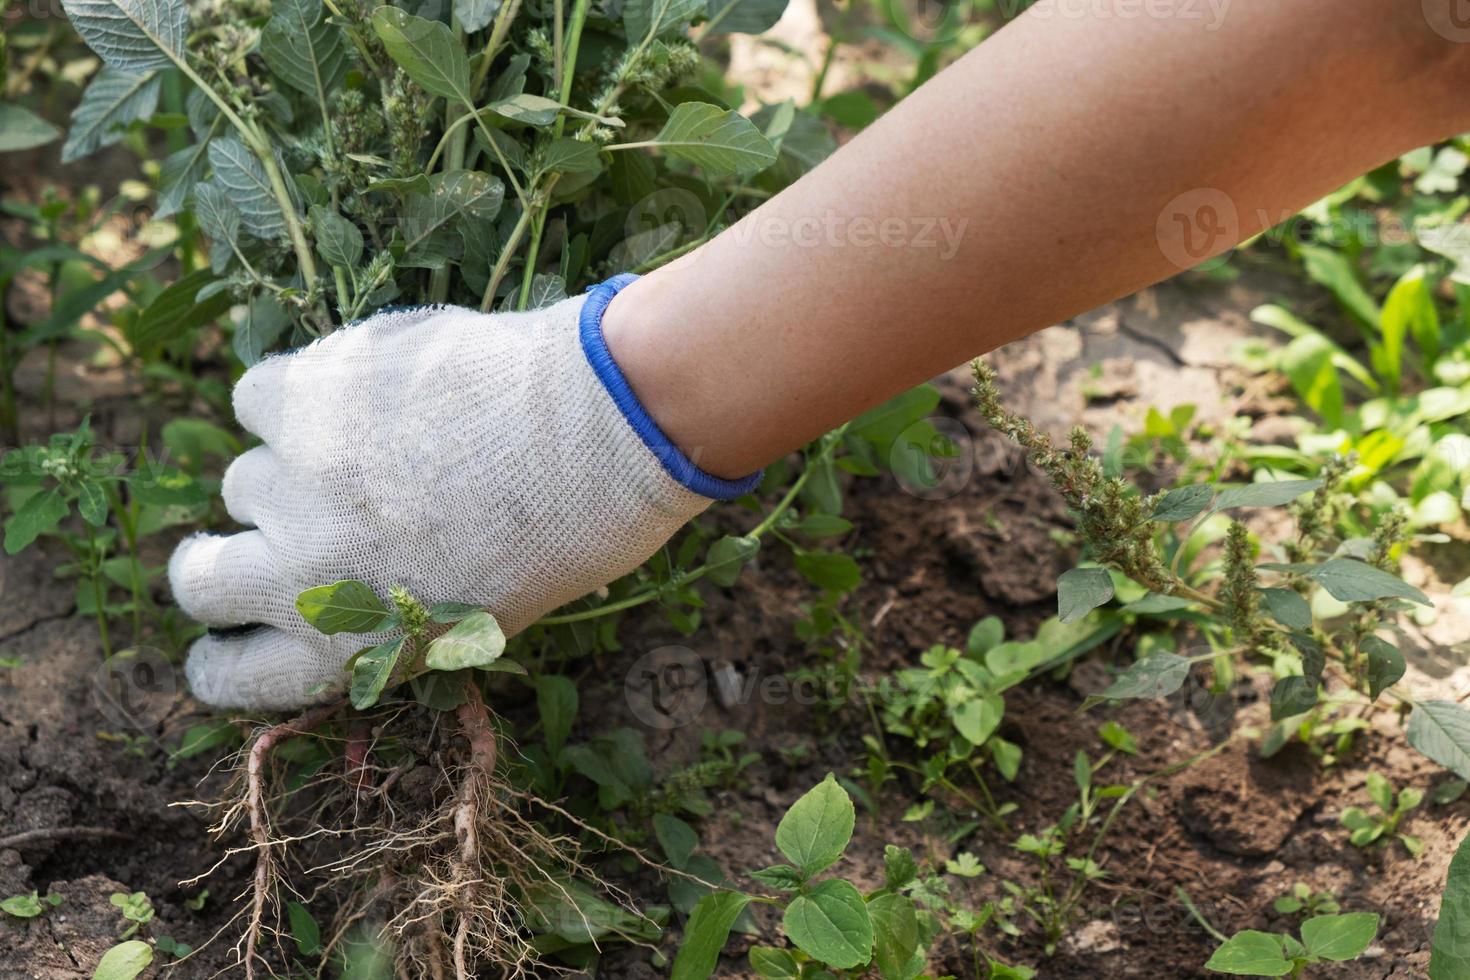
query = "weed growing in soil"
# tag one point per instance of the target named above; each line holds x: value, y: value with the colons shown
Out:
x: 1369, y: 829
x: 1324, y: 939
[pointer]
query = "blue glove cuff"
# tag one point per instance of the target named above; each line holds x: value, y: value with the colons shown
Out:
x: 675, y: 463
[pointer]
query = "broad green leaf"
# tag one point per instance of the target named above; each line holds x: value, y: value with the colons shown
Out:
x: 782, y: 877
x: 1334, y: 270
x: 728, y: 556
x: 304, y: 930
x: 1292, y: 696
x: 337, y: 239
x: 92, y: 503
x: 125, y: 960
x: 645, y: 19
x: 1080, y: 591
x: 1339, y: 937
x: 815, y: 831
x: 569, y: 156
x: 426, y: 50
x: 217, y: 214
x: 348, y: 606
x: 676, y: 837
x: 718, y: 141
x: 1351, y: 580
x: 371, y: 671
x: 114, y: 99
x: 451, y: 612
x: 527, y: 109
x: 1288, y: 608
x: 1408, y: 311
x: 23, y: 906
x: 895, y: 934
x: 476, y: 196
x: 978, y: 717
x: 1310, y: 364
x: 1118, y: 737
x: 556, y: 702
x: 473, y: 15
x: 40, y: 513
x: 22, y: 129
x: 206, y: 736
x: 1251, y: 954
x: 1385, y: 664
x: 742, y: 16
x: 831, y: 924
x: 834, y: 571
x: 985, y: 635
x: 1183, y: 503
x: 179, y: 173
x: 706, y: 933
x: 899, y: 866
x: 262, y: 324
x: 1441, y: 730
x: 1449, y: 956
x: 174, y: 312
x: 773, y: 963
x: 241, y: 175
x: 1156, y: 604
x: 1155, y: 676
x: 1264, y: 494
x: 132, y: 35
x: 303, y: 49
x: 475, y: 641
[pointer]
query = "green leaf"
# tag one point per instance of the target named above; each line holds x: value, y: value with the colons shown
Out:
x: 774, y: 964
x: 114, y: 99
x: 206, y: 736
x: 337, y: 239
x: 1441, y: 730
x: 179, y: 173
x: 1155, y: 604
x: 676, y: 837
x: 1292, y: 696
x: 643, y: 19
x: 978, y: 717
x: 1409, y: 301
x: 899, y: 866
x: 782, y: 877
x: 529, y: 110
x: 985, y: 635
x: 1155, y: 676
x: 371, y: 671
x: 824, y: 526
x: 728, y: 556
x: 176, y: 311
x: 23, y: 906
x: 1449, y: 951
x: 1251, y: 954
x: 718, y: 141
x: 304, y: 930
x: 556, y: 702
x: 1288, y: 608
x: 475, y: 641
x: 426, y: 50
x: 895, y: 934
x: 1339, y: 937
x: 40, y: 513
x: 833, y: 571
x: 569, y: 156
x: 92, y: 503
x: 815, y: 831
x: 1080, y: 591
x: 451, y: 612
x: 1310, y: 364
x: 831, y: 924
x: 348, y: 606
x: 742, y: 16
x: 132, y: 35
x: 1385, y: 664
x: 706, y: 933
x: 125, y: 960
x: 474, y: 15
x: 218, y: 216
x: 1350, y: 580
x: 303, y: 49
x: 1183, y: 503
x: 22, y: 129
x: 261, y: 326
x: 1334, y: 270
x: 1273, y: 494
x: 474, y: 195
x: 243, y: 177
x: 1120, y: 738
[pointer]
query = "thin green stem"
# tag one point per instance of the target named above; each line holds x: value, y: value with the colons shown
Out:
x: 502, y: 263
x: 498, y: 31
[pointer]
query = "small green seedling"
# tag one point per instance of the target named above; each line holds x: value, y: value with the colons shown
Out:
x: 136, y: 909
x: 1325, y: 938
x: 1301, y: 900
x: 1369, y: 829
x: 29, y: 906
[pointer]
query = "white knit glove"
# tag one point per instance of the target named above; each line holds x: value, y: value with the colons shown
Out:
x: 498, y: 460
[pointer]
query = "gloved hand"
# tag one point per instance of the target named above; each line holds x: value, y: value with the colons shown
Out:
x: 501, y: 460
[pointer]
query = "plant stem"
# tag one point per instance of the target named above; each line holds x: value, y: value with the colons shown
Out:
x: 503, y: 262
x: 498, y: 31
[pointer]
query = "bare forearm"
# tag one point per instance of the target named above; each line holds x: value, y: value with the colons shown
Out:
x: 1031, y: 181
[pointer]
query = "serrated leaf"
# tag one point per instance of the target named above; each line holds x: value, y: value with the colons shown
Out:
x: 1288, y: 608
x: 337, y: 239
x: 644, y: 19
x: 1183, y: 503
x: 1339, y: 937
x: 706, y: 933
x: 1080, y: 591
x: 718, y: 141
x: 303, y: 49
x: 1251, y: 954
x: 348, y: 606
x: 371, y: 671
x: 132, y: 35
x: 831, y: 924
x: 1441, y: 730
x: 1274, y: 494
x: 1155, y: 676
x: 1292, y: 696
x: 114, y: 99
x: 815, y: 831
x: 728, y: 556
x: 243, y: 177
x: 22, y: 129
x: 475, y: 641
x: 426, y: 50
x: 40, y: 513
x: 1385, y: 664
